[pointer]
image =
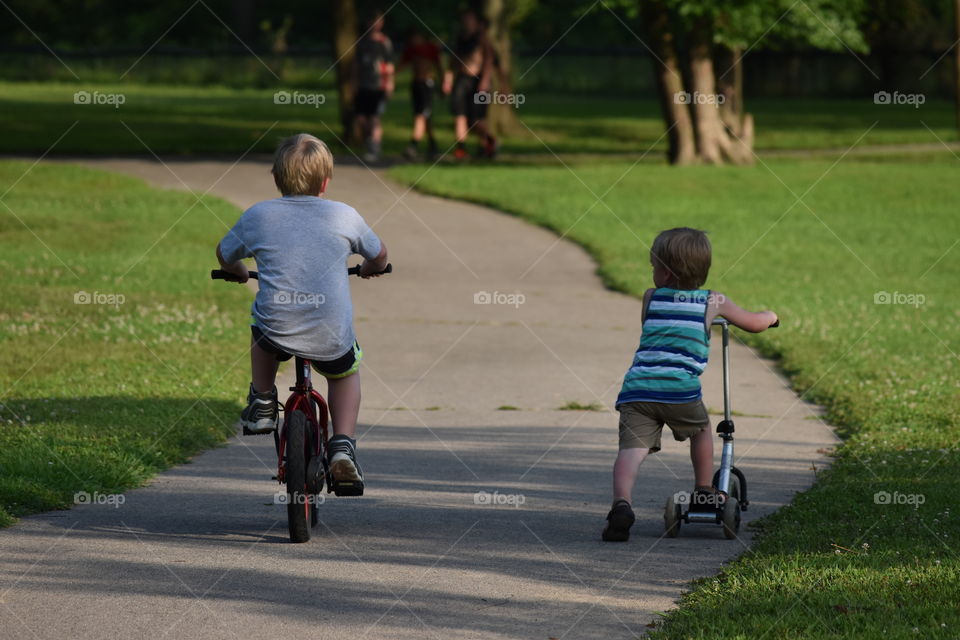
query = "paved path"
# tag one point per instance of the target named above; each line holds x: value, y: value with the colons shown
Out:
x: 202, y: 553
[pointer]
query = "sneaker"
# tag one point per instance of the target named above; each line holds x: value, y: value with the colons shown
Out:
x: 619, y: 521
x: 460, y: 154
x: 411, y: 153
x: 347, y: 477
x: 261, y: 414
x: 708, y: 498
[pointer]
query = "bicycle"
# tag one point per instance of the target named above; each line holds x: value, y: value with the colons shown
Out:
x: 301, y: 443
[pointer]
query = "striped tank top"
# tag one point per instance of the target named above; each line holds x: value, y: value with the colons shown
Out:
x: 673, y: 351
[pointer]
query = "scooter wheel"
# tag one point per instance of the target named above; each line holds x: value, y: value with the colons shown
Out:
x: 731, y: 518
x: 671, y: 518
x: 734, y: 488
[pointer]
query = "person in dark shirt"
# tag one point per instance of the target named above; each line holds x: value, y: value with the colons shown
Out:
x: 423, y: 57
x: 467, y: 81
x: 373, y: 72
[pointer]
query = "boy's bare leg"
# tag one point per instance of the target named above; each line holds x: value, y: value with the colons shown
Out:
x: 343, y: 396
x: 376, y: 130
x: 419, y: 127
x: 460, y: 128
x: 264, y: 368
x: 625, y: 471
x: 701, y: 454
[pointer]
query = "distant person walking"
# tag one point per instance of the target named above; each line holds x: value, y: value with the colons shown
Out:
x: 423, y: 57
x: 373, y: 69
x: 467, y: 80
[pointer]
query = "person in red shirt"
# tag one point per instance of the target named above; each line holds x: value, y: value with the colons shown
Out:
x: 423, y: 57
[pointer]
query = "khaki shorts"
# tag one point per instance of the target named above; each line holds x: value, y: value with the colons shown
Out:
x: 642, y: 422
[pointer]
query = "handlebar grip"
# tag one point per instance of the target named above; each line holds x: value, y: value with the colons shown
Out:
x: 355, y: 270
x: 220, y: 274
x: 775, y: 324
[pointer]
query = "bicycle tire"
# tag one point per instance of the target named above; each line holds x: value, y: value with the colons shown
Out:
x: 298, y: 498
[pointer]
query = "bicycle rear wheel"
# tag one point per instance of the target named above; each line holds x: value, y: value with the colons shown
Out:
x: 299, y: 499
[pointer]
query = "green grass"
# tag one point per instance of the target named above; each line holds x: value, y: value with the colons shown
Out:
x: 217, y: 119
x: 886, y: 373
x: 99, y: 397
x: 573, y: 405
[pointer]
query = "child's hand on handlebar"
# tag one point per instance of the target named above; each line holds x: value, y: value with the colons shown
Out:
x: 370, y: 269
x: 241, y: 272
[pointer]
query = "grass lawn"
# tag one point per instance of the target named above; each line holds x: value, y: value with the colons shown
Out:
x: 191, y: 120
x: 98, y: 397
x: 887, y: 373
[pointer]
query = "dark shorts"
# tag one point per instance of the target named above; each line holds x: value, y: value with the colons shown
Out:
x: 466, y: 101
x: 345, y: 365
x: 421, y: 93
x: 370, y: 102
x: 642, y: 422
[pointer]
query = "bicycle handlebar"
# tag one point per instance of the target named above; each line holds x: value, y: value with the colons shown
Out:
x: 722, y: 321
x: 220, y: 274
x: 355, y: 270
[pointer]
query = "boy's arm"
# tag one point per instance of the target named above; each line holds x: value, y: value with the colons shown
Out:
x: 447, y: 85
x: 389, y: 67
x: 486, y: 71
x: 372, y: 268
x: 752, y: 321
x: 236, y: 268
x: 646, y: 303
x: 438, y: 65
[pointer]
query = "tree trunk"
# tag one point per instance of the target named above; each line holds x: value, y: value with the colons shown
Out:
x: 730, y: 86
x: 666, y: 70
x: 502, y: 118
x: 345, y: 33
x: 703, y: 91
x: 714, y: 143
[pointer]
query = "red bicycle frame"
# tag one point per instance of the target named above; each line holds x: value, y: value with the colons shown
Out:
x: 307, y: 400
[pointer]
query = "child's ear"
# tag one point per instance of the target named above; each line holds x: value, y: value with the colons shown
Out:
x: 323, y: 187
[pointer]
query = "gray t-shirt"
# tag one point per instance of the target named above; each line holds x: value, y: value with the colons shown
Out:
x: 301, y: 245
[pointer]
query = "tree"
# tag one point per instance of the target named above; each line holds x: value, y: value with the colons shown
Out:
x: 703, y: 108
x: 502, y: 16
x: 345, y: 33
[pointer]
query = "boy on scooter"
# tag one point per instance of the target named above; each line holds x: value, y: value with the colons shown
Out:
x: 662, y: 385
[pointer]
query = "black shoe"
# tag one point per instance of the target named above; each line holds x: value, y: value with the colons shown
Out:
x: 347, y: 477
x: 261, y: 414
x: 619, y: 521
x: 706, y: 499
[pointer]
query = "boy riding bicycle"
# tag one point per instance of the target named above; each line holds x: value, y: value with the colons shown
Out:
x: 301, y: 243
x: 662, y: 385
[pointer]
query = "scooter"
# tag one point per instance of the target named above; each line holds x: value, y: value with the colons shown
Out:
x: 724, y: 507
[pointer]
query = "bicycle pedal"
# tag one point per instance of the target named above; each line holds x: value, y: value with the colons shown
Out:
x: 348, y: 489
x: 247, y: 432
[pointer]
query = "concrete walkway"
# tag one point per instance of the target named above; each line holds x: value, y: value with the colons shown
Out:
x: 202, y: 551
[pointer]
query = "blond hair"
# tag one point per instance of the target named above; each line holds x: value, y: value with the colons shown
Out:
x: 301, y: 164
x: 685, y: 253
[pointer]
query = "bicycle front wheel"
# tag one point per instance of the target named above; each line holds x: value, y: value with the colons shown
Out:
x: 298, y: 498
